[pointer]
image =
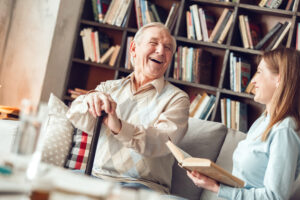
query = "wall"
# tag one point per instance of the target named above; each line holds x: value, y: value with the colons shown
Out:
x: 37, y: 47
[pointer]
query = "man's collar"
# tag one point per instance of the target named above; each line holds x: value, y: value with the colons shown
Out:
x: 158, y: 84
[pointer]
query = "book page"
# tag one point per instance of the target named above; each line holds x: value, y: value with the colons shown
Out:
x: 178, y: 153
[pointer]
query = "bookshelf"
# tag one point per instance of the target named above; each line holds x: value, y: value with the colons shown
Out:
x: 87, y: 75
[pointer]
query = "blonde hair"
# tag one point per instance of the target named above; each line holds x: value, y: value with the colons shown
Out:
x: 286, y: 98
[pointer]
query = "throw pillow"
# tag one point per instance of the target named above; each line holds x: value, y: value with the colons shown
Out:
x: 232, y: 139
x: 78, y: 155
x: 58, y: 136
x: 204, y: 140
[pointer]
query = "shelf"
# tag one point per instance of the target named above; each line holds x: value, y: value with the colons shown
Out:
x: 101, y: 25
x: 217, y: 3
x: 202, y: 43
x: 244, y: 50
x: 195, y: 85
x: 240, y: 94
x: 263, y: 10
x: 105, y: 66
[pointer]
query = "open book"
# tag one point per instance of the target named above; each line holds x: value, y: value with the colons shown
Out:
x: 204, y: 166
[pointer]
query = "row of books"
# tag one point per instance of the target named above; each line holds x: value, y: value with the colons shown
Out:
x: 250, y: 32
x: 202, y: 106
x: 9, y: 113
x: 274, y: 37
x: 240, y: 72
x: 274, y: 4
x: 200, y: 23
x: 76, y: 92
x: 96, y: 47
x: 116, y: 14
x: 222, y: 27
x: 234, y: 114
x: 99, y: 9
x: 193, y: 65
x: 147, y: 12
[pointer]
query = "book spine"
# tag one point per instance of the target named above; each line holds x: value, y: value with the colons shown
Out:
x: 222, y: 26
x: 217, y: 26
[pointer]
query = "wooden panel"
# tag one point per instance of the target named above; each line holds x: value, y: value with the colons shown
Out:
x: 27, y: 51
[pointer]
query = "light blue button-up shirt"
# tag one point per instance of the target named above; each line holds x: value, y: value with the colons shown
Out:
x: 268, y: 168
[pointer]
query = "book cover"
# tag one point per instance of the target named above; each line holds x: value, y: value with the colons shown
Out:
x: 204, y: 67
x: 208, y: 108
x: 243, y: 118
x: 255, y: 32
x: 138, y: 13
x: 114, y: 56
x: 204, y: 166
x: 223, y: 112
x: 225, y: 30
x: 245, y: 73
x: 243, y: 31
x: 155, y: 12
x: 246, y: 19
x: 194, y: 104
x: 203, y: 24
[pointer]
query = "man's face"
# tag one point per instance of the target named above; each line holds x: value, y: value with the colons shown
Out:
x: 152, y: 53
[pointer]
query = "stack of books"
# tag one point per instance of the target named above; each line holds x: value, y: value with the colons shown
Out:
x: 240, y: 72
x: 9, y: 113
x: 234, y: 114
x: 202, y: 106
x: 193, y: 65
x: 116, y: 13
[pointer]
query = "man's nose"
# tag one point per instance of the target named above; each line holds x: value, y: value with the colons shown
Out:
x: 160, y: 49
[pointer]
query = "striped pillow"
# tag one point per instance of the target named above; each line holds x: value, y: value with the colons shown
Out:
x: 79, y: 152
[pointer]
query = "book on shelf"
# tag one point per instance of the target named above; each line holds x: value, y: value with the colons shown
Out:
x: 114, y: 56
x: 225, y: 30
x: 190, y: 28
x: 262, y: 3
x: 274, y: 4
x: 265, y: 39
x: 208, y: 108
x: 255, y: 32
x: 138, y: 12
x: 282, y: 35
x: 210, y: 22
x: 196, y: 21
x: 289, y: 5
x: 223, y: 111
x: 105, y: 58
x: 99, y: 9
x: 194, y: 103
x: 222, y: 26
x: 218, y: 24
x: 121, y: 16
x: 282, y: 31
x: 155, y: 12
x: 172, y: 16
x: 203, y: 63
x: 203, y: 24
x: 204, y: 166
x: 250, y: 89
x: 243, y: 31
x: 74, y: 93
x: 204, y: 98
x: 245, y: 74
x: 248, y: 30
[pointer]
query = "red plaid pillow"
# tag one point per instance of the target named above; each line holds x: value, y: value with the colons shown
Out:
x: 79, y: 152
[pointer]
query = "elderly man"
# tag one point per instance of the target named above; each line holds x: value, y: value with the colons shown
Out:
x: 144, y: 111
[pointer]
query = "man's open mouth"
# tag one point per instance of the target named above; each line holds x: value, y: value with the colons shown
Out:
x: 157, y: 61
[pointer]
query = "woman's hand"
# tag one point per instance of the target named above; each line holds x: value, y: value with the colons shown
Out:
x: 98, y: 101
x: 203, y: 181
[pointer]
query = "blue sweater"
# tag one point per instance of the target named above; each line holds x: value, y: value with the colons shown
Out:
x: 268, y: 168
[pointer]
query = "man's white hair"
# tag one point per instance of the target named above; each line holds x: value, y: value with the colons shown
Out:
x: 138, y: 36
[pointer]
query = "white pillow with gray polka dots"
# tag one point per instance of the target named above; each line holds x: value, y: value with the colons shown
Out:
x: 59, y: 132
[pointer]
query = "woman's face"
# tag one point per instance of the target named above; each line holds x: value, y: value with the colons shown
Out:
x: 265, y: 83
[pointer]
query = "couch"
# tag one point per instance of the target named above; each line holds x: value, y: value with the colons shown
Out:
x: 203, y: 139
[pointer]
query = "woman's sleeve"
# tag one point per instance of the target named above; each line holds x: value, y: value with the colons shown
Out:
x: 280, y: 172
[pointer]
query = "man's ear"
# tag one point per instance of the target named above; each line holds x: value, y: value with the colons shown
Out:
x: 132, y: 48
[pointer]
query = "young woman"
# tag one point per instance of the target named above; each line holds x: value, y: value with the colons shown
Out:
x: 268, y: 160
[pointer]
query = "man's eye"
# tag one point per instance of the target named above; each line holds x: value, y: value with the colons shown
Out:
x: 153, y: 43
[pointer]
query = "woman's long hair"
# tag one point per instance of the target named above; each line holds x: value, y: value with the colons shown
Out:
x: 286, y: 98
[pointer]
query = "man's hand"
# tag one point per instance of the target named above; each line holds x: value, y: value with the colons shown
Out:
x: 98, y: 101
x: 203, y: 181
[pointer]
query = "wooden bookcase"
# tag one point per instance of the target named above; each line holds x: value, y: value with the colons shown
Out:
x: 87, y: 75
